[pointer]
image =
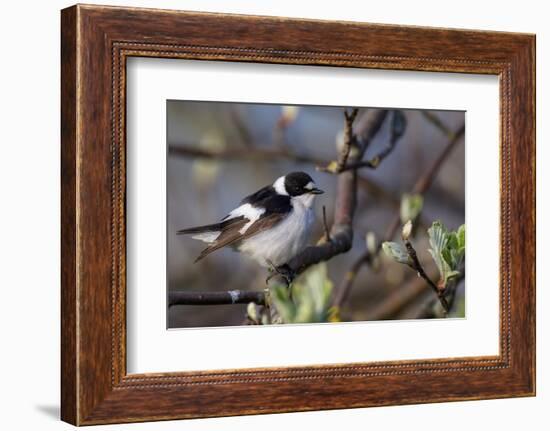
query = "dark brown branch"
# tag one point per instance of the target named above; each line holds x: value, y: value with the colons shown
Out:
x: 397, y: 129
x: 422, y: 184
x: 417, y: 266
x: 344, y: 289
x: 338, y: 166
x: 426, y: 180
x: 397, y: 301
x: 341, y: 232
x: 251, y: 154
x: 348, y: 138
x: 375, y: 190
x: 406, y: 295
x: 215, y: 298
x: 436, y: 121
x: 362, y: 141
x: 325, y: 225
x: 428, y: 310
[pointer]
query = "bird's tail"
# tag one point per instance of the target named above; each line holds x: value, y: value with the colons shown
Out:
x: 201, y: 229
x: 215, y: 227
x: 207, y: 233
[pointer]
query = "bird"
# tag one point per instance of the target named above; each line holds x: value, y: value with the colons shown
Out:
x: 271, y: 226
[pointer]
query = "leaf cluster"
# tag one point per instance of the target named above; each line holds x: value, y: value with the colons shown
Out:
x: 307, y: 300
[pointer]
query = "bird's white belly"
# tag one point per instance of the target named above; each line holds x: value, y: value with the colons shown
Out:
x: 284, y: 241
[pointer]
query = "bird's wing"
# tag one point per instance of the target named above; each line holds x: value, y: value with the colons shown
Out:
x: 238, y: 231
x: 264, y: 194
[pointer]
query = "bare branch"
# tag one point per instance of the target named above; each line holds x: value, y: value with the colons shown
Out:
x: 251, y: 154
x: 397, y: 301
x: 335, y: 167
x: 429, y: 310
x: 215, y: 298
x: 348, y: 138
x: 417, y: 266
x: 408, y: 294
x: 397, y: 129
x: 426, y: 180
x: 362, y: 141
x: 341, y: 294
x: 325, y: 225
x: 436, y: 121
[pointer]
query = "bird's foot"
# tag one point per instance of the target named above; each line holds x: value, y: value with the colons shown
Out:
x: 284, y: 271
x: 287, y: 273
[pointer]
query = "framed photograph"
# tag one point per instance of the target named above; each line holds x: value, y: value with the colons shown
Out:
x: 329, y: 214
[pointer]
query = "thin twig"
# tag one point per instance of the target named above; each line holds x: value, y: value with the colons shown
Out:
x: 363, y: 140
x: 397, y: 130
x: 341, y: 294
x: 253, y: 154
x: 436, y: 121
x: 429, y: 310
x: 372, y: 164
x: 335, y: 167
x: 348, y: 138
x: 426, y: 180
x: 215, y: 298
x: 417, y: 266
x: 394, y: 303
x: 325, y: 225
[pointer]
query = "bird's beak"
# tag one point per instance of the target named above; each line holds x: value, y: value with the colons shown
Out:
x: 316, y: 191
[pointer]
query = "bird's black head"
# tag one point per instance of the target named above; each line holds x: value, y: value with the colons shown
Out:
x: 299, y: 183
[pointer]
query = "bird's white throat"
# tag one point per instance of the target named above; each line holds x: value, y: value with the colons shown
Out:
x: 305, y: 200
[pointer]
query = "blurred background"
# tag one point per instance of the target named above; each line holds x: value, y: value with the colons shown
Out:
x: 221, y: 152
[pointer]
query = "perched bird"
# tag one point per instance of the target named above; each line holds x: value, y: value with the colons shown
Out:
x: 271, y: 226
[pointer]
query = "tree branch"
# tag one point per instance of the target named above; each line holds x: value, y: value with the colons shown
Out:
x: 397, y: 129
x: 362, y: 140
x: 344, y: 289
x: 394, y: 303
x: 348, y: 138
x: 346, y: 198
x: 251, y: 154
x: 417, y: 266
x: 325, y: 225
x: 215, y: 298
x: 436, y: 121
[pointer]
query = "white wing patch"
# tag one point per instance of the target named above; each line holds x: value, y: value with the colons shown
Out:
x: 248, y: 211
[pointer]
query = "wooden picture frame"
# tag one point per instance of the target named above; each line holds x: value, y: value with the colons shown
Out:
x: 95, y: 43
